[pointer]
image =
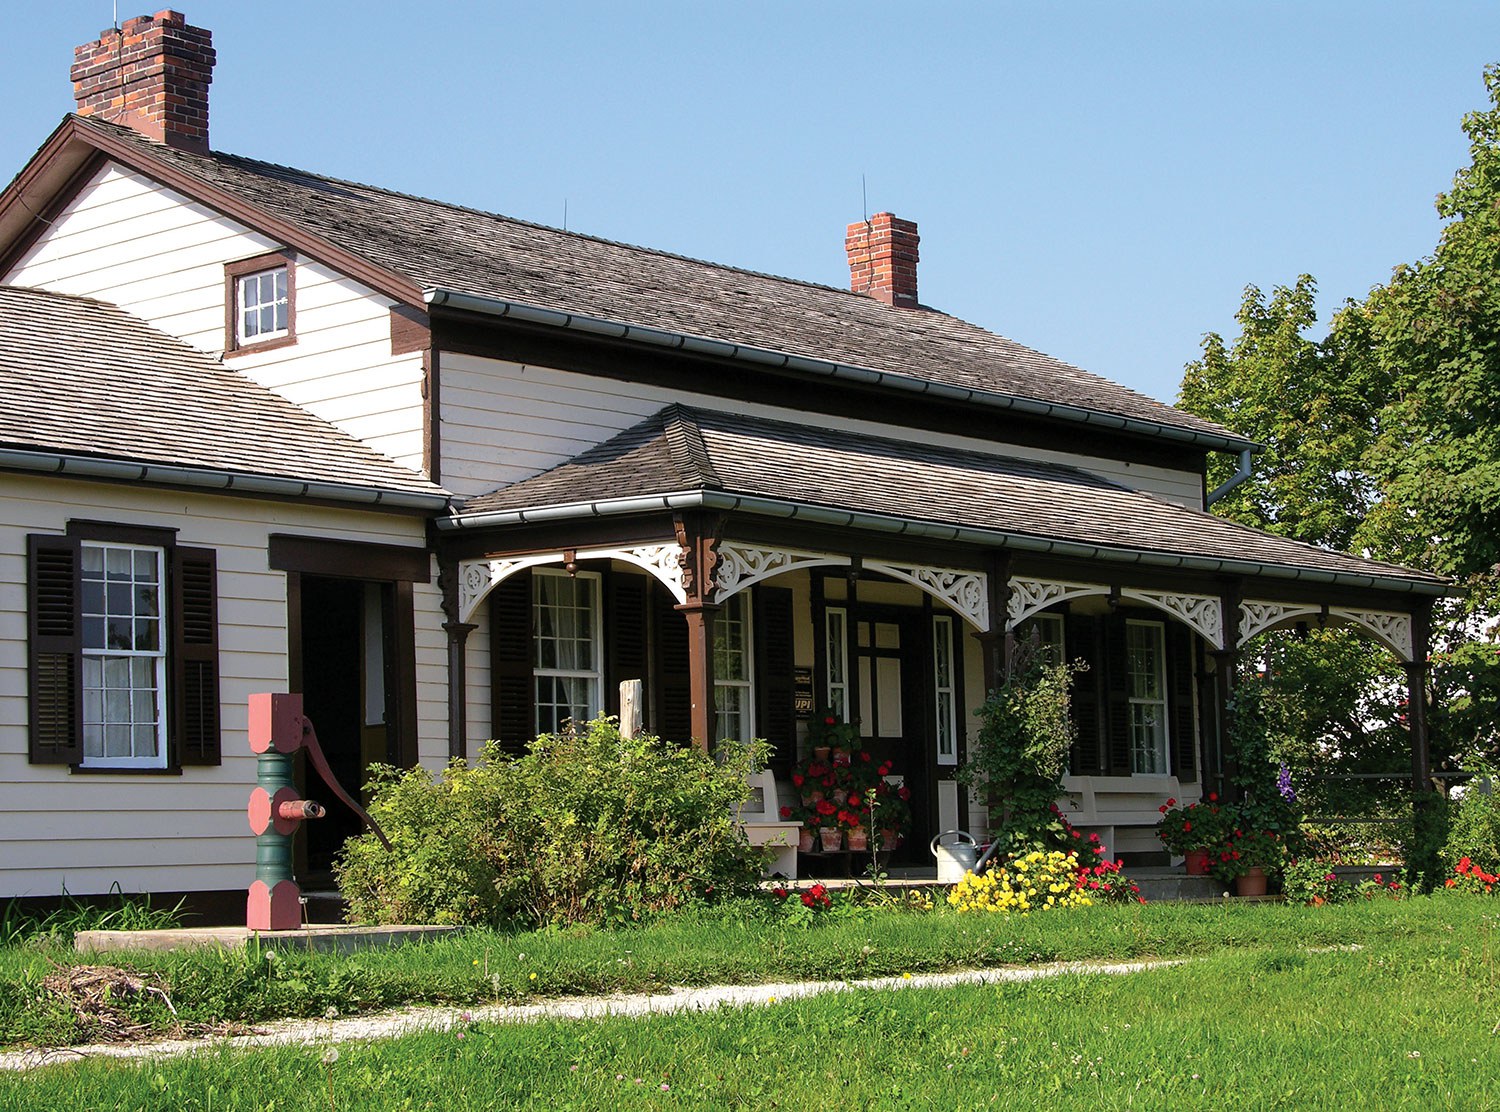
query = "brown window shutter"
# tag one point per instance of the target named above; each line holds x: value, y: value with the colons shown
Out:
x: 625, y: 633
x: 512, y: 686
x: 194, y: 690
x: 1117, y: 689
x: 1080, y: 637
x: 775, y: 678
x: 1180, y: 692
x: 55, y: 657
x: 672, y: 701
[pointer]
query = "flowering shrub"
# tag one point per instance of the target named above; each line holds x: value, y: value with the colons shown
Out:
x: 1035, y: 881
x: 586, y: 827
x: 1313, y: 882
x: 1106, y: 882
x: 1470, y: 879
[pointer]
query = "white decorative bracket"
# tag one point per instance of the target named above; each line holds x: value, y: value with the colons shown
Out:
x: 477, y: 578
x: 967, y: 592
x: 742, y: 565
x: 1032, y: 596
x: 1257, y: 617
x: 1203, y: 614
x: 1391, y: 629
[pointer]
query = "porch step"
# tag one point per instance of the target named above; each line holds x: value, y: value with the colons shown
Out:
x: 1174, y: 884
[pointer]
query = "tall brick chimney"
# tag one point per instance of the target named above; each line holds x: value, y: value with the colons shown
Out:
x: 152, y: 74
x: 883, y: 259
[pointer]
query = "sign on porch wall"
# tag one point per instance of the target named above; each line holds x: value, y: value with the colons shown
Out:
x: 802, y: 692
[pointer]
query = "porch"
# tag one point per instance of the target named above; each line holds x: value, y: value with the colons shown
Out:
x: 755, y: 574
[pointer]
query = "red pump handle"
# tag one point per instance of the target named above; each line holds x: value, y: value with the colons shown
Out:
x: 320, y: 762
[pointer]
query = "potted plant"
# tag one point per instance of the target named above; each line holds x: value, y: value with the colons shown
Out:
x: 1249, y: 858
x: 825, y: 733
x: 1193, y: 830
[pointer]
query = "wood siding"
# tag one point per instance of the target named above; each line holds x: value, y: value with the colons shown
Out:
x: 171, y: 832
x: 503, y: 422
x: 148, y: 249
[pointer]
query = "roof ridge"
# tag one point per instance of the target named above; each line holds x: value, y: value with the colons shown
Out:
x: 491, y: 213
x: 688, y: 449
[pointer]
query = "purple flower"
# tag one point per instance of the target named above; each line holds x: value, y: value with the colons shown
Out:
x: 1284, y: 785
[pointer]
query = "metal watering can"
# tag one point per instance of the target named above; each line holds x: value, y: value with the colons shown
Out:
x: 961, y: 856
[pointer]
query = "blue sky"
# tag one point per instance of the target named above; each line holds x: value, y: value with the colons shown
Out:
x: 1097, y: 180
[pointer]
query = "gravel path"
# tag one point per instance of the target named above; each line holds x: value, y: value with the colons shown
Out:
x: 388, y: 1025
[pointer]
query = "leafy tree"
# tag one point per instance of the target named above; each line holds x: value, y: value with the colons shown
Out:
x: 1295, y: 397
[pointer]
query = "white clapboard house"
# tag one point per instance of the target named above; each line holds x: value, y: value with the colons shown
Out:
x: 453, y: 476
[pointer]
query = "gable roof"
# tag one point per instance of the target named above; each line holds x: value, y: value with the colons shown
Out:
x: 684, y: 456
x: 419, y: 250
x: 86, y: 388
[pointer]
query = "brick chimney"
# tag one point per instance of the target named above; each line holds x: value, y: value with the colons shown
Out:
x: 152, y: 74
x: 883, y: 259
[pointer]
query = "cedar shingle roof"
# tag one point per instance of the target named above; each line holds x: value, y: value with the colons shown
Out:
x: 83, y: 377
x: 440, y: 246
x: 681, y: 449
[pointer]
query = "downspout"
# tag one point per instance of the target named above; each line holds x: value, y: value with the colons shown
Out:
x: 1241, y: 473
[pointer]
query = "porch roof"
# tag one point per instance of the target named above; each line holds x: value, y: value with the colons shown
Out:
x: 682, y: 457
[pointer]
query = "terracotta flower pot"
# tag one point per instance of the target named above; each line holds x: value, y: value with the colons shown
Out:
x: 821, y: 752
x: 1252, y: 883
x: 815, y: 796
x: 889, y: 840
x: 805, y: 840
x: 1196, y: 861
x: 859, y: 838
x: 832, y: 838
x: 840, y: 796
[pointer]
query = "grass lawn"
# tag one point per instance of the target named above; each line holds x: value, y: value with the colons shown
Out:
x: 1268, y: 1017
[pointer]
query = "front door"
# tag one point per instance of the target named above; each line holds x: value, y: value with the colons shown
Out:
x: 349, y: 694
x: 889, y: 648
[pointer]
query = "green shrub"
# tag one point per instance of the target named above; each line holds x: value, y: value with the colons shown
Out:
x: 1475, y: 829
x: 587, y: 827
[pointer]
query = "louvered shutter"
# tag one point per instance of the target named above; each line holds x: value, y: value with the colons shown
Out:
x: 55, y: 651
x: 673, y: 698
x: 1080, y: 636
x: 775, y: 678
x: 194, y: 690
x: 512, y: 688
x: 1117, y: 691
x: 1180, y: 688
x: 625, y: 635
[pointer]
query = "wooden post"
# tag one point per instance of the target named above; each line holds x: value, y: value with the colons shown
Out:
x: 630, y: 707
x: 1221, y: 772
x: 458, y: 637
x: 700, y: 622
x: 995, y: 643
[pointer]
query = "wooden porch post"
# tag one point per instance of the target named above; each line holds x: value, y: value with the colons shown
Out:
x: 1416, y: 699
x: 995, y: 642
x: 698, y: 538
x: 700, y: 623
x: 1220, y: 763
x: 458, y: 636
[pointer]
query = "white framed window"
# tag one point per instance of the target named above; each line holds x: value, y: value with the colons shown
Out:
x: 1146, y: 672
x: 945, y: 683
x: 567, y: 637
x: 124, y: 656
x: 836, y: 653
x: 261, y: 297
x: 734, y: 685
x: 263, y: 308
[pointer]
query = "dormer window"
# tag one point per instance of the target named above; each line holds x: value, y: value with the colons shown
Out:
x: 260, y: 296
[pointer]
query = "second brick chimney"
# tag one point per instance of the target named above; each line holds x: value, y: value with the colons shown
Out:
x: 152, y: 74
x: 883, y: 259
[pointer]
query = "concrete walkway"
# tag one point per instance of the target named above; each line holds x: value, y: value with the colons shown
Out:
x: 387, y: 1025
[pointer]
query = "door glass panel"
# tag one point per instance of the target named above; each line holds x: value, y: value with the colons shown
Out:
x: 888, y: 688
x: 866, y: 698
